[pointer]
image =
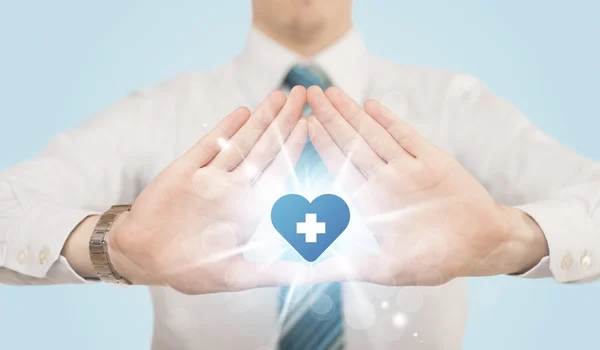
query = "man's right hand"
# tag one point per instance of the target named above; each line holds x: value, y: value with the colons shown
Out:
x: 188, y: 229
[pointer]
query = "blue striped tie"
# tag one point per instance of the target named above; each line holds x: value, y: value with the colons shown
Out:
x: 316, y: 320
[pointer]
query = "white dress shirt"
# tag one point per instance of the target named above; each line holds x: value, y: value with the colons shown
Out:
x: 111, y: 158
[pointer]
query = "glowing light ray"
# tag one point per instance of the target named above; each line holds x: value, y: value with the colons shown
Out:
x: 225, y: 145
x: 389, y: 259
x: 215, y: 258
x: 360, y: 296
x: 362, y: 249
x: 380, y: 254
x: 286, y: 307
x: 306, y: 187
x: 300, y: 310
x: 288, y: 161
x: 392, y: 216
x: 282, y: 315
x: 348, y: 276
x: 286, y: 304
x: 277, y: 257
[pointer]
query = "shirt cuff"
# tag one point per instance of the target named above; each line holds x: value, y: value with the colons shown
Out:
x: 573, y: 241
x: 34, y: 248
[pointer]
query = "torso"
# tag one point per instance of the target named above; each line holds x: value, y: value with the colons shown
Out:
x: 400, y: 318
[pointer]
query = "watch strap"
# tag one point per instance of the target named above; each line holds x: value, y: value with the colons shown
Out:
x: 99, y: 247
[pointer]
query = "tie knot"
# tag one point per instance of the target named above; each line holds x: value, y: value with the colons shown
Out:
x: 307, y: 76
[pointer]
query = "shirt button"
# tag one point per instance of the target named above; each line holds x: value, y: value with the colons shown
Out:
x: 586, y: 262
x: 43, y: 256
x: 21, y: 256
x: 566, y: 262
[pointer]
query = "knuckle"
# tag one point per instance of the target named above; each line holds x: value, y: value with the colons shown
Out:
x: 263, y: 122
x: 356, y: 114
x: 349, y: 144
x: 328, y: 115
x: 287, y: 122
x: 244, y: 146
x: 408, y: 139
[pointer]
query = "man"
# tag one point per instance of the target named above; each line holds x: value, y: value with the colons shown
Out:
x: 500, y: 199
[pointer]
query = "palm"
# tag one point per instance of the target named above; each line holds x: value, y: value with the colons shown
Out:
x: 426, y: 215
x: 193, y: 222
x: 423, y: 207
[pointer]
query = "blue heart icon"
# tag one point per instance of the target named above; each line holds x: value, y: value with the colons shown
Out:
x: 310, y: 227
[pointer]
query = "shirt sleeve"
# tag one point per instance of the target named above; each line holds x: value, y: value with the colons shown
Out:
x: 523, y: 167
x: 80, y: 173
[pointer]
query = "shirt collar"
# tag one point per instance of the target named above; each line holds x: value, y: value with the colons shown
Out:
x: 263, y: 64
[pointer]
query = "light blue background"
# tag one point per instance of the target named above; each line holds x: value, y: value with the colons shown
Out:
x: 62, y: 61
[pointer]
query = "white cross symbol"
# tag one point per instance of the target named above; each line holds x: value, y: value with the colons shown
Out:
x: 310, y: 228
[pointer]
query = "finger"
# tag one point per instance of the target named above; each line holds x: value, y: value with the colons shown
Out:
x: 402, y: 132
x: 346, y: 175
x: 242, y: 142
x: 270, y: 143
x: 407, y: 267
x: 361, y: 268
x: 248, y: 275
x: 368, y: 268
x: 210, y: 145
x: 272, y: 180
x: 344, y: 135
x: 376, y: 136
x: 280, y: 273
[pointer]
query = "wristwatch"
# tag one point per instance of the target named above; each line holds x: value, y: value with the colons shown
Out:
x: 99, y: 247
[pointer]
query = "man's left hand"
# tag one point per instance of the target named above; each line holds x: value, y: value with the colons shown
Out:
x: 433, y: 220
